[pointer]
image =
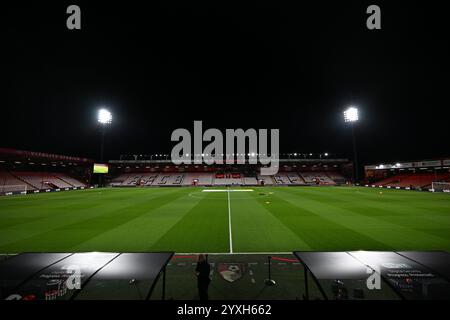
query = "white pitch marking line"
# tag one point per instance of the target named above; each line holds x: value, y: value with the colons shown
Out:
x: 228, y: 190
x: 229, y: 222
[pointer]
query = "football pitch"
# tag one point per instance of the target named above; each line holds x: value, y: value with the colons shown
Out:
x: 225, y: 220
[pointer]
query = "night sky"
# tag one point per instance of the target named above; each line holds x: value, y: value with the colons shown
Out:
x: 263, y: 65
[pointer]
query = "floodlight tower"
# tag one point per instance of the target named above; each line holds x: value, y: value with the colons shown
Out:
x: 351, y: 115
x: 104, y: 118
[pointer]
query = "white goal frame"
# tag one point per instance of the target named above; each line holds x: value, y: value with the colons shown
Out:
x: 23, y: 188
x: 440, y: 186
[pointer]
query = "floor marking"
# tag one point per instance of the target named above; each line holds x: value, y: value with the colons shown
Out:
x: 229, y: 222
x: 228, y: 190
x: 201, y: 195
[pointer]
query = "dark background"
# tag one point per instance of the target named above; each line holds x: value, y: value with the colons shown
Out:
x: 259, y: 65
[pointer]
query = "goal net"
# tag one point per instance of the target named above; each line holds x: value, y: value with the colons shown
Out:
x: 440, y: 186
x: 13, y: 188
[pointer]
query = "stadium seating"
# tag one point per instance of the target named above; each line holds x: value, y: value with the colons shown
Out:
x: 37, y: 179
x: 71, y: 181
x: 45, y: 180
x: 289, y: 178
x: 281, y: 178
x: 294, y: 178
x: 118, y: 181
x: 132, y: 180
x: 10, y: 183
x: 148, y: 179
x: 317, y: 178
x: 202, y: 178
x: 416, y: 180
x: 267, y: 180
x: 250, y: 181
x: 228, y: 179
x: 169, y: 179
x: 57, y: 182
x: 336, y: 177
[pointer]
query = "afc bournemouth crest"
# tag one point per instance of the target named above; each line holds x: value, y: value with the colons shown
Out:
x: 231, y: 271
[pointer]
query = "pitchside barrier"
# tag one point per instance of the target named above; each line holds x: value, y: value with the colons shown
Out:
x: 210, y: 185
x: 407, y: 188
x: 12, y: 193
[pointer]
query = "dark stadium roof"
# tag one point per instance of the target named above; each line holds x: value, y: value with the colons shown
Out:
x: 13, y: 154
x: 283, y: 160
x: 405, y: 275
x: 103, y: 275
x: 437, y: 261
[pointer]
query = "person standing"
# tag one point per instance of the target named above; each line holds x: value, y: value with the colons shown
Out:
x: 202, y: 271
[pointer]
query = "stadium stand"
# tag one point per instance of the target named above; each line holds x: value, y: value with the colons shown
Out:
x: 225, y: 179
x: 189, y: 179
x: 267, y: 180
x: 250, y: 181
x: 228, y: 179
x: 10, y: 183
x: 45, y: 180
x: 148, y: 179
x: 416, y: 180
x: 132, y: 180
x: 127, y: 180
x: 281, y: 178
x: 295, y: 178
x: 20, y: 172
x: 290, y: 178
x: 36, y: 179
x: 317, y: 178
x: 336, y: 177
x: 119, y: 180
x: 169, y: 179
x: 71, y: 181
x: 202, y: 178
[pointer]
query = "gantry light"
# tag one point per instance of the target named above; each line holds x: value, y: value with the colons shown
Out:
x: 104, y: 116
x: 351, y: 114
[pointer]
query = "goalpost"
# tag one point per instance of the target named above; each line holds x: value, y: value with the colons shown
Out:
x: 440, y: 186
x: 22, y: 188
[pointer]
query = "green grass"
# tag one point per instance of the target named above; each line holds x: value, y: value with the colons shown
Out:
x: 280, y: 219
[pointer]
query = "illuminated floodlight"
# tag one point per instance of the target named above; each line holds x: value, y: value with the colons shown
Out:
x: 351, y: 114
x: 104, y: 116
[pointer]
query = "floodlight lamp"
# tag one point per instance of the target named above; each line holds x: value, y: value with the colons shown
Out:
x: 351, y: 114
x: 104, y: 116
